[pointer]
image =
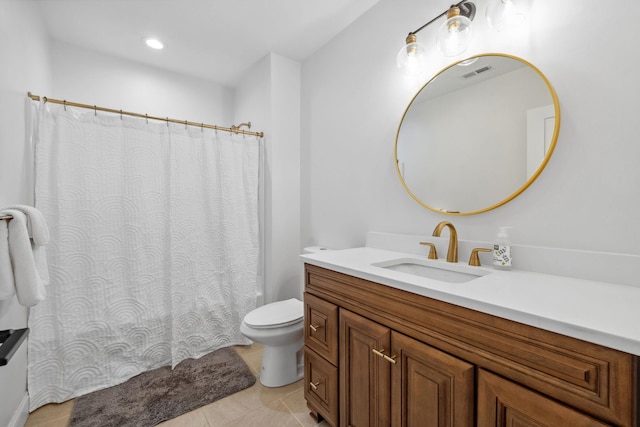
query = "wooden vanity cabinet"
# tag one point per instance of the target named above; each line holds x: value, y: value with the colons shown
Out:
x: 401, y: 359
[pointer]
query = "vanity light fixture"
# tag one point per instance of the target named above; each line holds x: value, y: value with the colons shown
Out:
x: 507, y: 14
x: 452, y: 38
x: 154, y: 43
x: 455, y: 33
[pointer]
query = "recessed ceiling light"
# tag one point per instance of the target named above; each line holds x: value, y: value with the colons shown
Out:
x: 154, y: 43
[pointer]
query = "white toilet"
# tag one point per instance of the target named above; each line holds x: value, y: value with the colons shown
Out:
x: 278, y: 327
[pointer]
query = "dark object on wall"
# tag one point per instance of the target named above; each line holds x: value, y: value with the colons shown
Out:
x: 10, y: 341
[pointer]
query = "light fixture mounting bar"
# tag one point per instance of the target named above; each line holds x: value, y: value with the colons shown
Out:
x: 467, y: 9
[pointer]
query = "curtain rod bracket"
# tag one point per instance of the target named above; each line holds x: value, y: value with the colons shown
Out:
x: 237, y: 128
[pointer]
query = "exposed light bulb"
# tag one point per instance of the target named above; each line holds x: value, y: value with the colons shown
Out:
x: 454, y: 34
x: 412, y: 58
x: 507, y: 14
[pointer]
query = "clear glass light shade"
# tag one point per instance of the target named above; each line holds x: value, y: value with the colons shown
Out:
x: 507, y: 14
x: 454, y: 35
x: 412, y: 59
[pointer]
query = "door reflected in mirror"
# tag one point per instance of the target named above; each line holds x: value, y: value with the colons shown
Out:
x: 477, y: 135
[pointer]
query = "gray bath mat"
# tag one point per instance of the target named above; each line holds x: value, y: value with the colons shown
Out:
x: 162, y: 394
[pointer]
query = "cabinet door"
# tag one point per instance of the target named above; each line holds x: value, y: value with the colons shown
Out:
x: 365, y: 377
x: 505, y: 403
x: 430, y: 388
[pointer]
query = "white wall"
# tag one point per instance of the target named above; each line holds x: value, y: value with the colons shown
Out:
x: 285, y: 179
x: 252, y: 104
x: 24, y: 53
x: 269, y: 96
x: 587, y: 198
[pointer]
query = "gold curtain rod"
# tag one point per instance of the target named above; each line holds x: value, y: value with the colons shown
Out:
x: 232, y: 129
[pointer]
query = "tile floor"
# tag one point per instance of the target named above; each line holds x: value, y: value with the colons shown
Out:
x: 256, y: 406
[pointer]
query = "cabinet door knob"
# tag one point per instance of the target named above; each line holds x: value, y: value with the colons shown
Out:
x: 315, y: 328
x: 314, y: 385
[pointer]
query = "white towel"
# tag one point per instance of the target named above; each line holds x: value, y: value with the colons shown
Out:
x: 6, y: 272
x: 36, y: 225
x: 29, y: 287
x: 39, y: 234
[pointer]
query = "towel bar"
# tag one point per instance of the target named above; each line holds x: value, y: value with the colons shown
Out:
x: 10, y: 340
x: 7, y: 217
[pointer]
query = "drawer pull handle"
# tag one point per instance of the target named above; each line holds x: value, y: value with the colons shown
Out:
x: 378, y: 352
x: 314, y: 385
x: 391, y: 359
x: 315, y: 328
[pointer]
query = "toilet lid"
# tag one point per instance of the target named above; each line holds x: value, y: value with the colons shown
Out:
x: 276, y: 314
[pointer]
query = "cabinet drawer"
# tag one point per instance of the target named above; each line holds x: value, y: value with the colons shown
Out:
x: 321, y: 327
x: 321, y: 386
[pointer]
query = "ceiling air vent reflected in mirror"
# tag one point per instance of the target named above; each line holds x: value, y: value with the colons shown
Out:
x: 476, y: 72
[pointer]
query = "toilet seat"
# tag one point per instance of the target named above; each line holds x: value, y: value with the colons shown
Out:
x: 276, y: 314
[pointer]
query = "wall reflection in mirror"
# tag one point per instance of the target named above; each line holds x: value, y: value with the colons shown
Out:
x: 477, y: 134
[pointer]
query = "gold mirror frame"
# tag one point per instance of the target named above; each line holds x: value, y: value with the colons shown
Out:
x: 530, y: 179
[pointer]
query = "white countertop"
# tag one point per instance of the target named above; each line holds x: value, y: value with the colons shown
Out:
x: 602, y: 313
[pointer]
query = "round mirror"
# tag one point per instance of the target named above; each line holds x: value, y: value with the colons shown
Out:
x: 477, y: 134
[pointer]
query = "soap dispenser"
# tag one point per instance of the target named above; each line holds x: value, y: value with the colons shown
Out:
x: 502, y: 250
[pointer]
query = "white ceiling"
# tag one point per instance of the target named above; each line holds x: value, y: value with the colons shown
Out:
x: 213, y: 39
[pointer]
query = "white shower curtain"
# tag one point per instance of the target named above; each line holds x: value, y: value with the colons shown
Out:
x: 154, y: 247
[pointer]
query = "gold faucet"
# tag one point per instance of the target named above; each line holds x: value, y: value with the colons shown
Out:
x: 452, y: 252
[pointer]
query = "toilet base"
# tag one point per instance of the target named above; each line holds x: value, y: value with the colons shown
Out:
x: 281, y: 365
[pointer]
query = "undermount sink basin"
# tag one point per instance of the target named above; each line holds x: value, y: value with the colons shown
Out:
x: 436, y: 270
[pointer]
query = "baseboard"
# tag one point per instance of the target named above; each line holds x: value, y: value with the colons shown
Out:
x: 21, y: 414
